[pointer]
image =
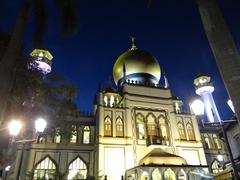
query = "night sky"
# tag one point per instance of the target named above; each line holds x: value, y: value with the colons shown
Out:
x: 171, y: 30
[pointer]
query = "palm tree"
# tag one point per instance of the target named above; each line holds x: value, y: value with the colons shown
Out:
x: 13, y: 50
x: 224, y: 49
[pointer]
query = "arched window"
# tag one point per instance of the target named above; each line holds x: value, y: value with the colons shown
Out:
x: 45, y: 169
x: 108, y: 126
x: 86, y: 135
x: 140, y: 126
x: 182, y: 175
x: 216, y: 142
x: 181, y: 131
x: 57, y: 138
x: 119, y: 127
x: 144, y: 176
x: 207, y: 141
x: 190, y: 131
x: 151, y: 125
x: 74, y: 133
x: 156, y: 174
x: 216, y: 167
x: 164, y: 129
x: 77, y: 170
x: 169, y: 174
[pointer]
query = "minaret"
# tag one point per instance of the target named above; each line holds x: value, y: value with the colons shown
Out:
x: 223, y: 47
x: 41, y: 60
x: 204, y: 88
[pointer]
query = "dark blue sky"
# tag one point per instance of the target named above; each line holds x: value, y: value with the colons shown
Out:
x: 170, y: 30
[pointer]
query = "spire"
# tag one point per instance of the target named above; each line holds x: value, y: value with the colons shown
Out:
x: 134, y: 47
x: 166, y: 84
x: 100, y: 88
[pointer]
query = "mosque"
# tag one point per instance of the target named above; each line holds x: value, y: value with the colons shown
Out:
x: 136, y: 132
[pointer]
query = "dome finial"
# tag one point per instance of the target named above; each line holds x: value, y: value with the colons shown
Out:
x: 134, y: 47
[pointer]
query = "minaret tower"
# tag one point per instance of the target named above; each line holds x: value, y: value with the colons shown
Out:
x: 204, y: 88
x: 41, y: 60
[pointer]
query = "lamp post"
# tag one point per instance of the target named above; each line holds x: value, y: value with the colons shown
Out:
x: 198, y: 108
x: 14, y: 129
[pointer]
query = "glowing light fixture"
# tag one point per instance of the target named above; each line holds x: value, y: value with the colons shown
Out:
x: 220, y: 157
x: 14, y: 127
x: 7, y: 168
x: 40, y: 125
x: 230, y: 104
x: 41, y: 60
x: 198, y: 107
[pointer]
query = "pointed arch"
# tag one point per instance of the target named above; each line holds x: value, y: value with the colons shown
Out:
x: 77, y: 169
x: 141, y: 127
x: 190, y: 131
x: 156, y: 174
x: 86, y: 135
x: 164, y: 129
x: 216, y: 166
x: 181, y: 175
x: 119, y: 127
x: 169, y: 174
x: 181, y: 131
x: 45, y: 168
x: 151, y: 125
x: 107, y: 126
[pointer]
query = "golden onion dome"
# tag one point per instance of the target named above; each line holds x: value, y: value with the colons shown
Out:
x: 136, y: 64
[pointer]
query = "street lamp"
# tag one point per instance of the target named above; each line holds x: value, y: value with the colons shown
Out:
x: 40, y: 125
x: 14, y: 127
x: 196, y: 107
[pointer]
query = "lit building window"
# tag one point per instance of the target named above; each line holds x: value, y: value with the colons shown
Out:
x: 190, y: 131
x: 156, y: 174
x: 216, y: 167
x: 46, y: 169
x: 144, y: 176
x: 77, y: 170
x: 119, y: 127
x: 108, y: 126
x: 140, y: 126
x: 86, y: 135
x: 164, y: 129
x: 207, y: 141
x: 181, y: 131
x: 216, y: 142
x: 57, y: 138
x: 182, y: 175
x: 151, y: 130
x: 169, y: 174
x: 151, y: 125
x: 74, y: 133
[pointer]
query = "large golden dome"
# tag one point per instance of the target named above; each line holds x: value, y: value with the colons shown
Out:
x: 138, y: 64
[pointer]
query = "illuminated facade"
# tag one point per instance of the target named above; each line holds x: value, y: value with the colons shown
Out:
x: 138, y: 131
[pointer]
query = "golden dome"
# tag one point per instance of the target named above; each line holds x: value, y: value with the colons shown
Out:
x: 159, y: 157
x: 137, y: 63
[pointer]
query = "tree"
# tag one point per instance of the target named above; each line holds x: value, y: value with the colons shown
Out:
x: 8, y: 62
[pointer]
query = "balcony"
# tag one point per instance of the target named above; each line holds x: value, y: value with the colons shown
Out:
x: 156, y: 140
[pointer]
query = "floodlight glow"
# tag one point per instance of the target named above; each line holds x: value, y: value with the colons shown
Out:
x: 198, y: 107
x: 220, y: 158
x: 7, y: 168
x: 14, y: 127
x: 40, y: 125
x: 230, y: 104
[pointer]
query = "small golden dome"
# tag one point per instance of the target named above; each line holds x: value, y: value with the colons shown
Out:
x: 137, y: 63
x: 159, y: 157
